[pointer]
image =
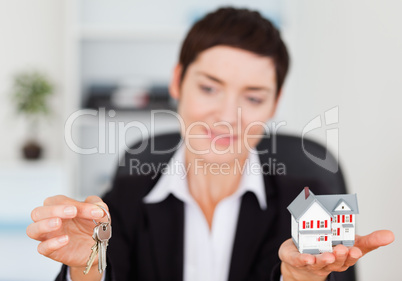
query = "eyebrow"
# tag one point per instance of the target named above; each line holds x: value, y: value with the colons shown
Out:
x: 249, y: 88
x: 217, y: 80
x: 269, y: 90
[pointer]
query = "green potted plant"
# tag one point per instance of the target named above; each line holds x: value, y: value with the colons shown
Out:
x: 31, y: 92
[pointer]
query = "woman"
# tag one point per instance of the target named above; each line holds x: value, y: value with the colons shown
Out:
x: 208, y: 221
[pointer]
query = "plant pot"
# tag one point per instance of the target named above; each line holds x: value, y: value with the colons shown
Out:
x: 32, y: 150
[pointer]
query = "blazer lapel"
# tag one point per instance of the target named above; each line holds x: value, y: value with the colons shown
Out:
x: 252, y: 226
x: 166, y: 227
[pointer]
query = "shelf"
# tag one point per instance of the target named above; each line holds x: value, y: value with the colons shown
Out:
x: 125, y: 116
x: 29, y: 165
x: 157, y: 34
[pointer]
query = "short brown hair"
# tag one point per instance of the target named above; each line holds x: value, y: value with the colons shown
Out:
x: 240, y: 28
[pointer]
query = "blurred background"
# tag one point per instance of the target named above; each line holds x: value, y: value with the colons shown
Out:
x: 119, y: 55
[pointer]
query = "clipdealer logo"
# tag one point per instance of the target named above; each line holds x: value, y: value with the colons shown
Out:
x: 331, y: 117
x: 109, y: 131
x: 112, y: 134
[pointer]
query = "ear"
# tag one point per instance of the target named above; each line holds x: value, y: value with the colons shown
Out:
x: 174, y: 87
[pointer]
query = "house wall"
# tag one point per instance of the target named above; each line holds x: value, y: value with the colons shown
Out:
x: 314, y: 213
x: 338, y: 224
x: 344, y: 205
x: 310, y: 242
x: 345, y: 218
x: 295, y: 232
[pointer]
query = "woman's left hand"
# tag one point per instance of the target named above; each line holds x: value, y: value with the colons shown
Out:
x: 296, y: 266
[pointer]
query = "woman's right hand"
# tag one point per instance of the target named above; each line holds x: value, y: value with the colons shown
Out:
x: 65, y: 227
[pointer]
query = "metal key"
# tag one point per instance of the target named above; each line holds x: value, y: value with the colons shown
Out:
x: 94, y: 253
x: 103, y: 234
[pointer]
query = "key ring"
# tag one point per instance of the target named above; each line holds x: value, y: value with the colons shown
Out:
x: 107, y: 214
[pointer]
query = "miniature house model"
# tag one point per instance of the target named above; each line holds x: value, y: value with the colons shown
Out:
x: 322, y: 221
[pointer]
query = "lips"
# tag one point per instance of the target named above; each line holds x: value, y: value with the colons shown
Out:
x: 221, y: 137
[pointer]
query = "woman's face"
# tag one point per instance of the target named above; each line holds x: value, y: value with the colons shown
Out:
x: 225, y: 99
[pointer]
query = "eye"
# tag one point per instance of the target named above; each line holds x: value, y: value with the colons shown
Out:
x: 207, y: 89
x: 254, y: 100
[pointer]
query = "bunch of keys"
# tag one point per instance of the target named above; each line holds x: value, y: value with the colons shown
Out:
x: 101, y: 236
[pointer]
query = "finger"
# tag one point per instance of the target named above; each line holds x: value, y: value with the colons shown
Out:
x: 89, y: 211
x: 301, y: 260
x: 41, y: 228
x: 354, y: 255
x: 340, y: 253
x: 49, y: 246
x: 288, y: 253
x: 95, y: 200
x: 98, y: 202
x: 321, y: 261
x: 84, y: 210
x: 61, y: 211
x: 374, y: 240
x: 58, y: 200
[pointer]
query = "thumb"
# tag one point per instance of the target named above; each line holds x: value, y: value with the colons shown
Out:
x: 96, y: 200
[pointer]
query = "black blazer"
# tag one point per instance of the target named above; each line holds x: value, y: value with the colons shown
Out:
x: 147, y: 241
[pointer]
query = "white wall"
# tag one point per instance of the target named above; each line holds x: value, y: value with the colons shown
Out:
x: 31, y: 38
x: 348, y: 54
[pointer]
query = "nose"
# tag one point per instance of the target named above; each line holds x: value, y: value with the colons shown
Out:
x: 229, y: 110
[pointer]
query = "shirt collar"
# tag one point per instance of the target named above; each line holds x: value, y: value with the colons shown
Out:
x: 174, y: 181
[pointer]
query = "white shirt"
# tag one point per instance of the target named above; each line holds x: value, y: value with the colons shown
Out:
x: 207, y: 252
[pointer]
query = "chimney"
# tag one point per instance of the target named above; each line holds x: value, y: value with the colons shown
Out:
x: 306, y: 192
